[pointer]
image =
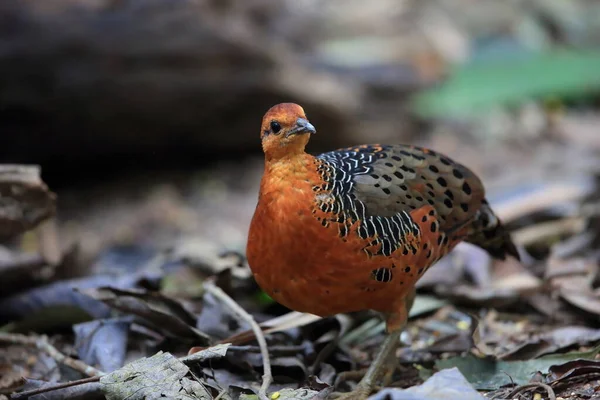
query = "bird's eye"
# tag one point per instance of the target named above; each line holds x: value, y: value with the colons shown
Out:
x: 275, y: 127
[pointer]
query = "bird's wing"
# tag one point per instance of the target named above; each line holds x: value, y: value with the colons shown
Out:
x: 389, y: 180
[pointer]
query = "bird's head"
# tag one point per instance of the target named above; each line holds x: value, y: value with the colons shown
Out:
x: 285, y: 131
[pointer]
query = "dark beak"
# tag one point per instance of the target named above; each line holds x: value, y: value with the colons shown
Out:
x: 302, y: 126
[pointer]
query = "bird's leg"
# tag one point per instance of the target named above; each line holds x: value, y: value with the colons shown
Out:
x: 366, y: 384
x: 395, y: 323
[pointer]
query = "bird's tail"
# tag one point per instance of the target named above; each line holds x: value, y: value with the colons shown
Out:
x: 488, y: 233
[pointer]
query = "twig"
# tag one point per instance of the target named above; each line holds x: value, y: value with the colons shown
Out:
x: 325, y: 352
x: 273, y: 350
x: 293, y: 319
x: 529, y: 386
x: 539, y: 200
x: 500, y: 394
x: 260, y: 338
x: 27, y: 262
x: 42, y: 343
x: 220, y: 395
x: 546, y: 230
x: 49, y: 388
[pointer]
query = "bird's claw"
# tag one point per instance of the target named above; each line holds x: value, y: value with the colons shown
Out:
x: 360, y: 393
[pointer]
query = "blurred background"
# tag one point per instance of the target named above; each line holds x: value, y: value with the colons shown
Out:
x: 135, y: 107
x: 144, y: 117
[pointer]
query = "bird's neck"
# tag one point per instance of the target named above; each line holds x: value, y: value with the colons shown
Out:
x: 286, y: 170
x: 275, y: 151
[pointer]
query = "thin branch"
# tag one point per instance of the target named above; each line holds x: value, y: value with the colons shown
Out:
x: 220, y: 395
x: 42, y: 343
x: 50, y: 388
x: 534, y: 386
x: 539, y: 200
x: 547, y: 230
x: 273, y: 350
x: 262, y: 343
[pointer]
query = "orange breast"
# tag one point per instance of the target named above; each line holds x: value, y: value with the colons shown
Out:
x: 305, y: 263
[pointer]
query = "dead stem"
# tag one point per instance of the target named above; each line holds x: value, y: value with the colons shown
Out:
x: 530, y: 386
x: 42, y: 343
x: 262, y: 343
x: 27, y: 394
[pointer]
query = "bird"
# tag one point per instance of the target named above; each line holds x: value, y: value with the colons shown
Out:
x: 354, y: 229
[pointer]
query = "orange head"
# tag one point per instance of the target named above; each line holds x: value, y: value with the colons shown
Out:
x: 285, y: 131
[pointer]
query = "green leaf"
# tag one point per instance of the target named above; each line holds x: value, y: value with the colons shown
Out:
x: 264, y: 299
x: 490, y: 374
x: 483, y: 85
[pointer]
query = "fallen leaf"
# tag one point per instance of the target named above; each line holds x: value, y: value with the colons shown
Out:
x: 571, y: 369
x: 159, y: 376
x: 488, y: 373
x: 217, y: 351
x: 32, y: 307
x: 25, y: 200
x: 552, y: 342
x: 163, y: 313
x: 103, y: 342
x: 443, y: 385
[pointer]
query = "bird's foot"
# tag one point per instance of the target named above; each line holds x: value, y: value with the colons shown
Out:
x: 361, y: 392
x: 365, y: 387
x: 383, y: 366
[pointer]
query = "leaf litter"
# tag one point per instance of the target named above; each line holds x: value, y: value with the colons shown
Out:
x: 123, y: 292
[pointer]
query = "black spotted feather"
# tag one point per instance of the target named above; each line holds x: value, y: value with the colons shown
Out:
x: 380, y: 185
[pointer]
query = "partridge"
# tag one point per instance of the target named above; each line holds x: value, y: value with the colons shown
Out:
x: 355, y: 228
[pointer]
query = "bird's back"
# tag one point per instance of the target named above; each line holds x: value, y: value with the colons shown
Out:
x: 381, y: 185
